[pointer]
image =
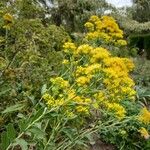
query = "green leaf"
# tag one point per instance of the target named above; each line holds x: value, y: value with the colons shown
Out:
x: 8, y: 136
x: 22, y: 125
x: 23, y: 144
x: 4, y: 141
x: 5, y: 91
x: 11, y: 133
x: 37, y: 132
x: 44, y: 89
x: 68, y: 132
x: 32, y: 99
x: 13, y: 108
x: 37, y: 115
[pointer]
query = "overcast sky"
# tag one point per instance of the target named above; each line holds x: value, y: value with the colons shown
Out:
x: 120, y: 3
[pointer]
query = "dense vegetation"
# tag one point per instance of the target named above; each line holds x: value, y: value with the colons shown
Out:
x: 71, y: 77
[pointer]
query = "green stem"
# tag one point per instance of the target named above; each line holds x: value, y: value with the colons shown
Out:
x: 6, y: 43
x: 52, y: 135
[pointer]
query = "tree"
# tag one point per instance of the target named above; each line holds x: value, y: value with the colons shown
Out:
x: 71, y: 13
x: 141, y: 11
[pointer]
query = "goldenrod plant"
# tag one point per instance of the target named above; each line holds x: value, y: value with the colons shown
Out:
x: 105, y: 29
x: 91, y: 93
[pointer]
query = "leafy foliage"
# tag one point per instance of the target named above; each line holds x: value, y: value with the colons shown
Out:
x: 142, y: 10
x: 58, y: 96
x: 28, y: 49
x: 71, y: 13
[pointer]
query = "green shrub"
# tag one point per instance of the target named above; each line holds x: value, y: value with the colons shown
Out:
x: 30, y: 54
x: 141, y: 42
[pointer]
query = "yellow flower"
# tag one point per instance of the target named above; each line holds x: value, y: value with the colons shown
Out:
x: 46, y: 96
x: 122, y: 42
x: 99, y: 25
x: 87, y: 101
x: 92, y: 35
x: 105, y: 29
x: 65, y: 61
x: 70, y: 115
x: 59, y: 102
x: 129, y: 64
x: 98, y: 80
x: 91, y: 69
x: 118, y: 109
x: 144, y: 133
x: 69, y: 47
x: 8, y: 17
x: 82, y: 100
x: 117, y: 35
x: 78, y: 100
x: 84, y: 49
x: 51, y: 102
x: 89, y: 26
x: 110, y: 72
x: 60, y: 82
x: 145, y: 116
x: 82, y: 109
x: 94, y: 18
x: 71, y: 94
x: 100, y: 97
x: 79, y: 71
x: 99, y: 54
x: 82, y: 80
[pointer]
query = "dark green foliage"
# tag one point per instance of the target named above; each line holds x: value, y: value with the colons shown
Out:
x: 147, y: 45
x: 142, y: 10
x: 126, y: 135
x: 71, y: 13
x: 142, y: 42
x: 30, y: 53
x: 141, y: 75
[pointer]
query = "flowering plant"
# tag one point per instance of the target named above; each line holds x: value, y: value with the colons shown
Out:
x: 92, y: 93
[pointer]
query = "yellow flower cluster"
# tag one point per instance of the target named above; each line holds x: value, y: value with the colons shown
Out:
x: 89, y: 25
x: 144, y: 133
x: 83, y: 80
x: 117, y: 109
x: 84, y: 74
x: 69, y: 47
x: 117, y: 80
x: 61, y: 94
x: 8, y: 18
x: 97, y: 68
x: 106, y: 29
x: 121, y: 42
x: 65, y: 61
x: 51, y: 102
x: 99, y: 54
x: 84, y: 49
x: 60, y: 82
x: 145, y: 116
x: 94, y: 78
x: 87, y: 71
